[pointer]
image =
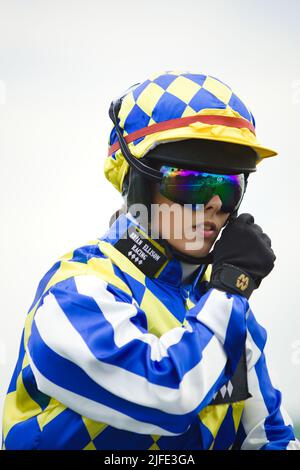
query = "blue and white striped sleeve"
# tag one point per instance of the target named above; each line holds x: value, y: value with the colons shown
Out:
x: 90, y: 349
x: 265, y: 424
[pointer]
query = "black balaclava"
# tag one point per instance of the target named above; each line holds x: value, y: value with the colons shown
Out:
x: 199, y: 154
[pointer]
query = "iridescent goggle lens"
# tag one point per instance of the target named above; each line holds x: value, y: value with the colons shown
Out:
x: 197, y: 187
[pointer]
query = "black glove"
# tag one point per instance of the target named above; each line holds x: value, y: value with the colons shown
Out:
x: 242, y: 257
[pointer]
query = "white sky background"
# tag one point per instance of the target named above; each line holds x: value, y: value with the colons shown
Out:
x: 62, y: 62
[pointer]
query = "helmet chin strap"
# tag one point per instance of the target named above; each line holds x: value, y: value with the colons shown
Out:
x: 231, y: 217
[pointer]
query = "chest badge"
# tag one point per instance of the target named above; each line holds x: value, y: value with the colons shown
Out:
x: 141, y: 251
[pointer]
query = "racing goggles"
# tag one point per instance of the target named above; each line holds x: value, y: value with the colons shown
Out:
x: 197, y: 187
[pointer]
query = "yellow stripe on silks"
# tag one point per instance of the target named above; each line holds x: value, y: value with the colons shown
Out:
x: 189, y: 304
x: 103, y: 268
x: 159, y: 318
x: 19, y: 407
x: 67, y: 269
x: 94, y: 428
x: 121, y: 260
x: 207, y: 273
x: 53, y: 409
x: 67, y: 256
x: 206, y: 277
x: 100, y: 267
x: 212, y: 417
x: 154, y: 447
x: 237, y: 411
x: 25, y: 362
x: 90, y: 446
x: 157, y: 245
x: 28, y: 324
x: 161, y: 269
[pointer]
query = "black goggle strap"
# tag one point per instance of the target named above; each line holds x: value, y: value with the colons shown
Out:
x: 142, y: 168
x: 234, y: 214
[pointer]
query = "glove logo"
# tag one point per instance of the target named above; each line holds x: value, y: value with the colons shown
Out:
x: 242, y: 282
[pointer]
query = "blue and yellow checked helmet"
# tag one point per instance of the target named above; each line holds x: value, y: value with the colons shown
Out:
x: 176, y: 106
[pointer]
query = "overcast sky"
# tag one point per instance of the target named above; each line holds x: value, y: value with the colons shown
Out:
x: 61, y: 64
